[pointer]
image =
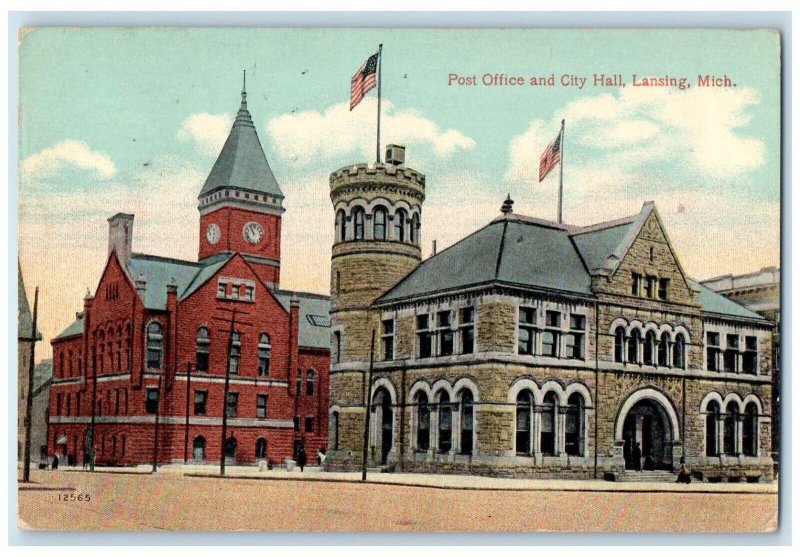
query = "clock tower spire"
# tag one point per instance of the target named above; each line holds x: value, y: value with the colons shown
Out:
x: 241, y: 203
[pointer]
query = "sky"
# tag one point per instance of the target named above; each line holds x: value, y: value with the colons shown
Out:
x: 132, y: 120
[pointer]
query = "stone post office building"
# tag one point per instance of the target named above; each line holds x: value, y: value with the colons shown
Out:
x: 533, y: 348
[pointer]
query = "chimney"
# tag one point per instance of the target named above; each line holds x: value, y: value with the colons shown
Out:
x: 396, y: 155
x: 141, y: 284
x: 433, y: 248
x: 120, y: 236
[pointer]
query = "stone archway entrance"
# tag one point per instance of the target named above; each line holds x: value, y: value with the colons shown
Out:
x: 648, y: 424
x: 384, y: 419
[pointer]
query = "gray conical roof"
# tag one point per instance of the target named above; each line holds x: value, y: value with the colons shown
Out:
x: 241, y: 163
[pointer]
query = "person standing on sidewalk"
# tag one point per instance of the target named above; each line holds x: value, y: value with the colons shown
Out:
x: 301, y: 458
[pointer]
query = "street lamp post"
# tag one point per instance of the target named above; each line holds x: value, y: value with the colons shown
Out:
x: 26, y: 457
x: 368, y: 409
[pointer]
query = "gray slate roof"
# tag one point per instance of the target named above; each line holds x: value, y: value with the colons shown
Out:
x: 312, y: 306
x: 596, y: 246
x: 76, y: 328
x: 24, y: 315
x: 713, y: 302
x: 242, y: 163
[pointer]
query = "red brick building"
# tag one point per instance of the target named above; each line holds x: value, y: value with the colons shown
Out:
x: 154, y: 343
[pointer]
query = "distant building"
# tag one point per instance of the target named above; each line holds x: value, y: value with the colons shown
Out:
x: 535, y: 348
x: 25, y: 341
x: 154, y: 338
x: 40, y: 414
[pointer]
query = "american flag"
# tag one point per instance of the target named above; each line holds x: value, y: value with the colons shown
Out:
x: 363, y: 80
x: 550, y: 157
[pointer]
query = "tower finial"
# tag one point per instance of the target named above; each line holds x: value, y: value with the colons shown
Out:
x: 244, y: 88
x: 507, y: 207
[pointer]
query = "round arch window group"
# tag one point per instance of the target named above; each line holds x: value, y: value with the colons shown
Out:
x: 377, y: 222
x: 731, y: 425
x: 444, y: 417
x: 649, y: 345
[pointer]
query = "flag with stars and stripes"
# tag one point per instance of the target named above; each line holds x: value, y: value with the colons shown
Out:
x: 363, y: 80
x: 550, y: 157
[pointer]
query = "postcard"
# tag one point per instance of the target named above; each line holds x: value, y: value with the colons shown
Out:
x: 399, y: 280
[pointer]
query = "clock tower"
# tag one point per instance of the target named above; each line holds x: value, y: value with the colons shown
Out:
x: 241, y: 203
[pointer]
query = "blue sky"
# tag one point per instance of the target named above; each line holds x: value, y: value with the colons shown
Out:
x: 132, y: 119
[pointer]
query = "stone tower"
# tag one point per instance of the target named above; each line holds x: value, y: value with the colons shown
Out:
x: 377, y: 214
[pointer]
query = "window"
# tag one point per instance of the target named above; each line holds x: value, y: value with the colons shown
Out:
x: 379, y: 224
x: 551, y: 334
x: 309, y: 424
x: 523, y: 429
x: 236, y: 352
x: 249, y: 292
x: 679, y: 352
x: 203, y: 348
x: 264, y: 354
x: 712, y: 351
x: 310, y: 378
x: 548, y: 415
x: 200, y: 400
x: 750, y: 431
x: 577, y: 326
x: 574, y: 424
x: 400, y: 225
x: 387, y: 338
x: 445, y: 334
x: 636, y: 284
x: 663, y: 289
x: 466, y: 325
x: 298, y: 389
x: 222, y: 290
x: 261, y: 406
x: 424, y: 336
x: 649, y: 348
x: 151, y: 401
x: 199, y: 448
x: 423, y: 422
x: 712, y: 417
x: 731, y: 356
x: 341, y: 226
x: 261, y: 448
x: 415, y: 229
x: 69, y: 404
x: 155, y: 343
x: 619, y: 344
x: 337, y: 346
x: 232, y: 405
x: 297, y: 423
x: 652, y: 253
x: 650, y: 286
x: 633, y: 346
x: 445, y: 423
x: 663, y: 350
x: 526, y: 333
x: 750, y: 356
x: 358, y: 220
x: 335, y: 421
x: 730, y: 426
x: 467, y: 421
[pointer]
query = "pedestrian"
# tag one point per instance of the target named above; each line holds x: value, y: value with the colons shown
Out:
x: 321, y: 457
x: 636, y: 456
x: 301, y: 458
x: 55, y: 462
x: 86, y: 457
x: 648, y: 462
x: 684, y: 477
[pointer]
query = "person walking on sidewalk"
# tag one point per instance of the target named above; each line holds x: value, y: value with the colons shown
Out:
x: 301, y: 458
x: 683, y: 473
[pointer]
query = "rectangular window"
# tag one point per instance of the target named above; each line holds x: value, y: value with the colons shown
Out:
x: 750, y: 356
x: 650, y: 287
x: 575, y: 337
x: 424, y: 336
x: 236, y: 349
x: 636, y: 284
x: 297, y: 423
x: 249, y: 292
x: 445, y: 333
x: 200, y: 400
x: 337, y: 347
x: 232, y: 405
x: 731, y: 356
x: 712, y: 351
x: 663, y: 288
x: 261, y: 406
x: 151, y: 401
x: 551, y: 334
x: 466, y: 324
x: 309, y: 424
x: 222, y: 290
x: 387, y: 337
x: 526, y: 334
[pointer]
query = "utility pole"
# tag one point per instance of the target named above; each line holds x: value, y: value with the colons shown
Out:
x: 155, y: 436
x: 26, y: 458
x: 188, y: 394
x: 368, y: 409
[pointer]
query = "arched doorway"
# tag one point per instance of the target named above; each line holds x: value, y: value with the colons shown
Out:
x: 261, y: 449
x: 648, y: 432
x: 230, y: 450
x: 382, y: 408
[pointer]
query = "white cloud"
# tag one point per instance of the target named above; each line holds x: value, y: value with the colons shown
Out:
x: 72, y: 152
x: 208, y: 131
x: 311, y: 135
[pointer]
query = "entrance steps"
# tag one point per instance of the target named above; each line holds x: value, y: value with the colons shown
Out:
x: 646, y: 476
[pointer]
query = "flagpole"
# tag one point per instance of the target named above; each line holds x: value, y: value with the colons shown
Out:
x: 378, y: 143
x: 560, y: 173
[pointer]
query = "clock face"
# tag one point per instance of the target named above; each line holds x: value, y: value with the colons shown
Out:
x: 213, y: 233
x: 253, y: 232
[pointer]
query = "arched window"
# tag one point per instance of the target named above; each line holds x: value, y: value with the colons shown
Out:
x: 261, y: 449
x: 341, y: 226
x: 712, y: 418
x: 69, y: 363
x: 730, y: 426
x: 61, y: 363
x: 101, y: 351
x: 415, y: 229
x: 663, y: 350
x: 633, y: 346
x: 155, y: 345
x: 524, y: 415
x: 445, y: 423
x: 574, y: 425
x: 379, y: 224
x: 264, y: 354
x: 299, y: 384
x: 199, y: 448
x: 649, y: 348
x: 423, y: 421
x: 236, y: 352
x: 230, y: 450
x: 358, y: 223
x: 203, y: 349
x: 750, y: 432
x: 549, y: 413
x: 679, y: 352
x: 310, y: 378
x: 619, y: 344
x: 400, y: 225
x: 467, y: 421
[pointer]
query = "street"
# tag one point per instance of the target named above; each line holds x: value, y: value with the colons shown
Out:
x: 57, y: 500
